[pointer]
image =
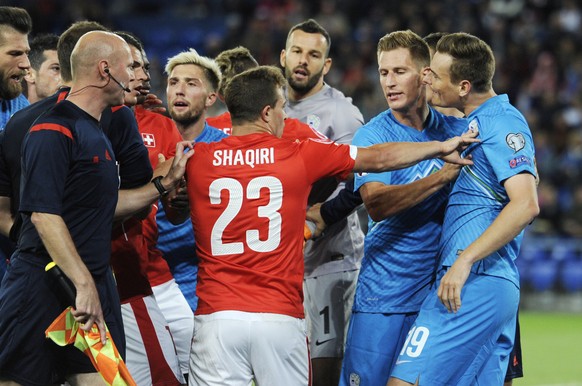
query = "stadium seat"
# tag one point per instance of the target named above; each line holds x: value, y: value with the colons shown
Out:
x: 543, y: 274
x: 571, y: 275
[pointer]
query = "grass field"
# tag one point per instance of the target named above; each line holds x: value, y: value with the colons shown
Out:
x: 552, y: 349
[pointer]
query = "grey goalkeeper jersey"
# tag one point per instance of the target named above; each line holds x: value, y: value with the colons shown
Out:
x: 331, y: 113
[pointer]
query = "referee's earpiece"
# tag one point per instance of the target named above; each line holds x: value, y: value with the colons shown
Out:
x: 106, y: 69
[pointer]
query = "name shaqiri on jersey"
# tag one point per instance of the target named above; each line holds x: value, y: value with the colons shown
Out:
x: 249, y: 157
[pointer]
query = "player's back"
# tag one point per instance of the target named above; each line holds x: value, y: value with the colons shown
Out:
x: 248, y: 198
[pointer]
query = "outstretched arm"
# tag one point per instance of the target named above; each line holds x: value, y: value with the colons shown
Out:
x: 383, y: 201
x: 398, y: 155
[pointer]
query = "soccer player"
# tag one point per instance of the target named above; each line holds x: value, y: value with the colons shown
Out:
x: 454, y: 342
x: 406, y: 208
x: 193, y: 81
x: 515, y: 365
x: 247, y: 195
x: 151, y: 351
x: 332, y: 262
x: 15, y: 25
x: 44, y: 77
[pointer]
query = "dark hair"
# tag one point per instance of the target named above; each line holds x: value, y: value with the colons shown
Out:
x: 130, y: 39
x: 67, y: 42
x: 250, y: 91
x: 417, y: 47
x: 232, y: 62
x: 433, y: 38
x: 311, y: 27
x: 38, y: 46
x: 473, y: 60
x: 17, y: 18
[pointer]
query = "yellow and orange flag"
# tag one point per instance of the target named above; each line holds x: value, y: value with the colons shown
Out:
x: 106, y: 359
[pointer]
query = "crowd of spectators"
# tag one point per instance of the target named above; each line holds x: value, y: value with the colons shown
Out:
x: 537, y: 44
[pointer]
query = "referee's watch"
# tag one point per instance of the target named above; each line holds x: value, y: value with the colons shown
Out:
x: 158, y: 184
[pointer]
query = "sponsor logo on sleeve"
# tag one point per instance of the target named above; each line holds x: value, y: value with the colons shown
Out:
x: 515, y: 141
x: 518, y: 161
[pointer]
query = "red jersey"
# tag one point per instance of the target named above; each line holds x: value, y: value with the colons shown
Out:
x: 294, y: 128
x: 160, y: 135
x: 248, y: 198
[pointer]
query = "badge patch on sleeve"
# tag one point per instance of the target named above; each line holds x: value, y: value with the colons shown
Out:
x: 515, y: 141
x: 518, y: 161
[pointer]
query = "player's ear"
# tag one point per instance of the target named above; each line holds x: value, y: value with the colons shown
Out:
x: 464, y: 88
x: 282, y: 58
x: 266, y: 113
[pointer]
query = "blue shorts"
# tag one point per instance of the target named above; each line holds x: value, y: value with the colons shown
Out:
x: 469, y: 347
x: 373, y: 343
x: 27, y: 307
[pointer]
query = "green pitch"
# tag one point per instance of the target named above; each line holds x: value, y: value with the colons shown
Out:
x: 552, y: 349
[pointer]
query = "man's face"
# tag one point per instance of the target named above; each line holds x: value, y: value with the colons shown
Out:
x: 123, y: 71
x: 146, y: 86
x: 401, y: 80
x: 304, y: 60
x: 444, y: 92
x: 140, y: 77
x: 48, y: 77
x: 188, y: 94
x: 14, y: 62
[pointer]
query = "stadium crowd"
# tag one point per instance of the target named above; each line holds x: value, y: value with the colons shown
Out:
x: 536, y: 44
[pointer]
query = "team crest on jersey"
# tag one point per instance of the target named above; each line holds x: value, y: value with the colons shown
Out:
x: 354, y: 379
x: 515, y: 141
x: 148, y: 139
x: 313, y: 121
x: 473, y: 125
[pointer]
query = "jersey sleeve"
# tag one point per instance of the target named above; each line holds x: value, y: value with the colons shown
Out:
x: 134, y: 165
x: 46, y: 156
x: 365, y: 137
x: 323, y: 159
x: 510, y: 148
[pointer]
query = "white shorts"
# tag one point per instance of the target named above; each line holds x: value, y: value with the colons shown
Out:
x: 151, y: 356
x: 179, y: 316
x: 328, y: 306
x: 233, y: 347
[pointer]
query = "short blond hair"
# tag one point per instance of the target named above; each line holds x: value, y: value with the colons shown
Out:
x: 208, y: 65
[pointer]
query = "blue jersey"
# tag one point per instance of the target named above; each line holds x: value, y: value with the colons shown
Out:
x: 9, y: 107
x: 177, y: 241
x: 69, y: 169
x: 506, y: 149
x: 400, y: 252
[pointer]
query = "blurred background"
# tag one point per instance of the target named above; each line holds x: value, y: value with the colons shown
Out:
x: 537, y: 44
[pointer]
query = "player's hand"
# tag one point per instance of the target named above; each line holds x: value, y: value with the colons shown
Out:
x: 88, y: 310
x: 314, y: 214
x: 452, y: 283
x: 184, y: 150
x: 179, y: 198
x: 450, y: 172
x: 154, y: 104
x: 452, y: 148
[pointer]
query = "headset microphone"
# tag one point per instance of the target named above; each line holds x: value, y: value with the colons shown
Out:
x: 123, y: 87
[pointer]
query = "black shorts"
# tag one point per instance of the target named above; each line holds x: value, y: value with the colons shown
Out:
x: 27, y: 307
x: 515, y: 366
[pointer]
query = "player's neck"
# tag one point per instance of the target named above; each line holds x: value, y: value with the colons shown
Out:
x: 474, y: 100
x: 193, y: 130
x: 250, y: 128
x: 295, y: 96
x: 414, y: 117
